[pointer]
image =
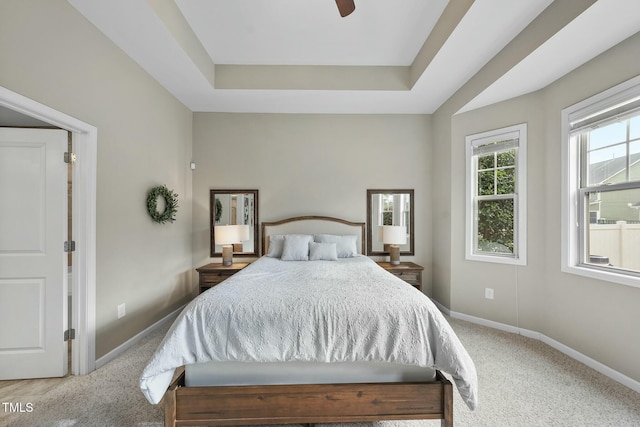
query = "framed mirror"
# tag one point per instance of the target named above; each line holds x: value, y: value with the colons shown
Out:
x: 234, y: 207
x: 389, y: 207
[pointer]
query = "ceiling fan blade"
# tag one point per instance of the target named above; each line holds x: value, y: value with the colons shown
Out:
x: 345, y: 7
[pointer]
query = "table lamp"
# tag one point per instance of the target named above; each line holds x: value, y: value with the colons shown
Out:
x: 393, y: 235
x: 227, y: 235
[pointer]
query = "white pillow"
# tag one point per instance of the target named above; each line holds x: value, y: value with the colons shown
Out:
x: 345, y: 245
x: 322, y: 251
x: 296, y: 247
x: 276, y: 243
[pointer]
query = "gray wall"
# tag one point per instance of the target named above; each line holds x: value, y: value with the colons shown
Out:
x: 591, y: 316
x: 305, y: 164
x: 51, y: 54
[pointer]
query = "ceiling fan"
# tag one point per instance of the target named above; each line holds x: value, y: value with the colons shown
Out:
x: 345, y: 7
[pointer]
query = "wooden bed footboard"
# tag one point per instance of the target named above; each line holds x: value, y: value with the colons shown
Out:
x: 307, y: 403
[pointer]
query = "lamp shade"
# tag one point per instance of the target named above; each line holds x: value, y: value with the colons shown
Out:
x: 227, y: 234
x: 244, y: 232
x: 393, y: 234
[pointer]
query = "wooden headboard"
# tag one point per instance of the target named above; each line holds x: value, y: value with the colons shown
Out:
x: 314, y: 225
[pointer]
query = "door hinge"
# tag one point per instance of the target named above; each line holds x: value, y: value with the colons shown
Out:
x: 69, y: 246
x: 69, y: 157
x: 70, y: 334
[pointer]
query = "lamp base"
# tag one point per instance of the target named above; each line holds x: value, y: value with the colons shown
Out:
x: 394, y: 254
x: 227, y: 255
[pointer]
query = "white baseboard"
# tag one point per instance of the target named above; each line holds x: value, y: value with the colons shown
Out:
x: 136, y: 338
x: 592, y: 363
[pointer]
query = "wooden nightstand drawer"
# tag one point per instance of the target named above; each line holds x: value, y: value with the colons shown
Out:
x: 216, y: 273
x: 407, y: 271
x: 408, y: 276
x: 215, y: 277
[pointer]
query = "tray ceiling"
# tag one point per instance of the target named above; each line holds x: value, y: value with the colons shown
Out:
x: 406, y: 56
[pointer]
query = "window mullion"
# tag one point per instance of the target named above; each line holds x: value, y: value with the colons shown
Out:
x: 495, y: 173
x: 515, y: 227
x: 583, y: 224
x: 583, y: 143
x: 611, y: 187
x: 628, y: 147
x: 496, y: 197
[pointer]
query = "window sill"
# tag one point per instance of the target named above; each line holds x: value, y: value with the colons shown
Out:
x: 607, y: 276
x: 496, y: 259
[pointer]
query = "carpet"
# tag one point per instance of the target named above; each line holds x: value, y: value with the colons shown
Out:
x: 522, y: 382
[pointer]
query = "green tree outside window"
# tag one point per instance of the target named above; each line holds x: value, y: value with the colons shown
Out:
x: 496, y: 177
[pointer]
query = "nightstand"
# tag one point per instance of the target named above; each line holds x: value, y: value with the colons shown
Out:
x: 407, y: 271
x: 214, y: 273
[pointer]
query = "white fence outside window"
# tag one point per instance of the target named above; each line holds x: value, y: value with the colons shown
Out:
x: 620, y: 242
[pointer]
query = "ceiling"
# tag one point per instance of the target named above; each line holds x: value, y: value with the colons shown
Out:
x: 296, y: 56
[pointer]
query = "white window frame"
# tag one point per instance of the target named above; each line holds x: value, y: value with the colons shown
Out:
x: 571, y: 210
x: 520, y: 201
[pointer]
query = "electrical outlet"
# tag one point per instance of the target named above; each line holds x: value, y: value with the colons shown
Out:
x: 121, y: 311
x: 488, y: 293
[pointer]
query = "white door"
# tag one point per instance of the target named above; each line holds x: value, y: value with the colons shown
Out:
x: 33, y: 276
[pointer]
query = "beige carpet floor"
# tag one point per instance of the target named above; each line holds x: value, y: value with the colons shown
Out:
x: 522, y: 382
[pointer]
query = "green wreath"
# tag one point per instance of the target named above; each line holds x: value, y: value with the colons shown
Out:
x: 218, y: 210
x: 171, y: 204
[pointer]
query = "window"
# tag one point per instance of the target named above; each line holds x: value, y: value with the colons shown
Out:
x: 386, y: 210
x: 496, y: 185
x: 602, y: 172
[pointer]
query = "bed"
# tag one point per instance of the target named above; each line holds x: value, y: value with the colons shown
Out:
x: 287, y: 341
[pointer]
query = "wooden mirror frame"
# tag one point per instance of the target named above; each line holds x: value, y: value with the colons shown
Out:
x: 212, y: 194
x: 412, y: 223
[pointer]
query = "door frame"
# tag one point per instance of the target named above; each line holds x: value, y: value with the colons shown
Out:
x: 83, y: 277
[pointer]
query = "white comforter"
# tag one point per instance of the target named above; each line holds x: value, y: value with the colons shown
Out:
x: 321, y: 311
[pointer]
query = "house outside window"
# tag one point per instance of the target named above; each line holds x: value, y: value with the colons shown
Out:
x: 601, y: 219
x: 496, y: 199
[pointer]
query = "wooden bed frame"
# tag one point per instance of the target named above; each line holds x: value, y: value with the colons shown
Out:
x: 307, y: 403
